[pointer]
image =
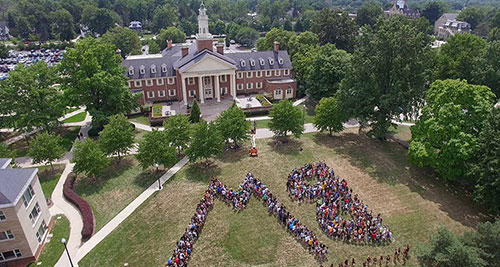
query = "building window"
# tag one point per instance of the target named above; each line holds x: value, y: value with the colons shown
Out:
x: 28, y: 196
x: 7, y: 235
x: 151, y: 94
x: 159, y: 81
x: 171, y: 80
x: 289, y: 91
x: 258, y: 74
x: 268, y: 73
x: 223, y: 78
x: 278, y: 92
x: 11, y: 254
x: 280, y: 61
x: 249, y: 85
x: 271, y: 61
x: 252, y: 62
x: 131, y: 71
x: 191, y: 80
x: 249, y: 74
x: 243, y: 63
x: 171, y: 92
x: 258, y: 85
x: 240, y: 86
x: 262, y: 62
x: 161, y: 93
x: 149, y: 82
x: 142, y: 70
x: 277, y: 72
x: 223, y: 90
x: 35, y: 214
x: 286, y: 72
x: 2, y: 216
x: 240, y: 75
x: 41, y: 232
x: 164, y: 68
x: 129, y: 84
x: 138, y: 83
x: 192, y: 93
x: 153, y: 68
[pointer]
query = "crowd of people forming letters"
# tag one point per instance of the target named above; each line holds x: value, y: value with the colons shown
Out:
x: 334, y: 200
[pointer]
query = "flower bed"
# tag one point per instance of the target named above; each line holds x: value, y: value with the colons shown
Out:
x: 157, y: 108
x: 263, y: 100
x: 82, y: 205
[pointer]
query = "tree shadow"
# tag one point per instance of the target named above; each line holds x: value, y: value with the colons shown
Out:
x: 387, y: 162
x: 288, y: 146
x: 199, y: 172
x: 234, y: 155
x: 147, y: 177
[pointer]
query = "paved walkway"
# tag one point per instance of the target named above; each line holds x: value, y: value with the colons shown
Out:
x: 127, y: 211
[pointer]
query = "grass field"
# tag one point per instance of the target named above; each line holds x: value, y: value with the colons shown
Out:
x: 79, y: 117
x: 49, y: 178
x: 114, y: 190
x: 53, y: 250
x: 402, y: 132
x: 413, y: 203
x: 68, y: 135
x: 143, y: 119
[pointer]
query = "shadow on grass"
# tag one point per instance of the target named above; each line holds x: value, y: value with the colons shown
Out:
x: 288, y: 146
x: 234, y: 155
x: 90, y: 186
x: 386, y: 161
x: 200, y: 172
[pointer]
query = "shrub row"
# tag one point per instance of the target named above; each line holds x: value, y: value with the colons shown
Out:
x: 82, y: 205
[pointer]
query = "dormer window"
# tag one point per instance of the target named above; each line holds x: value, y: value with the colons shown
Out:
x: 131, y: 71
x: 153, y: 68
x: 243, y: 63
x: 280, y: 61
x: 252, y: 62
x: 164, y: 68
x: 262, y: 62
x: 271, y: 61
x: 142, y: 70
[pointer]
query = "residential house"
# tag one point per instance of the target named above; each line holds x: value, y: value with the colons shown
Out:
x: 448, y: 25
x: 400, y: 7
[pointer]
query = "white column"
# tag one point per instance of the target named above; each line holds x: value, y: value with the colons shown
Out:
x: 200, y: 86
x: 217, y: 88
x: 233, y: 85
x: 184, y: 91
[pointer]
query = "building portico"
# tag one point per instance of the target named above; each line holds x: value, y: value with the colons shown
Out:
x: 209, y: 85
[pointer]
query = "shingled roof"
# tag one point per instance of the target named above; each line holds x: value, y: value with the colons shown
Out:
x: 14, y: 182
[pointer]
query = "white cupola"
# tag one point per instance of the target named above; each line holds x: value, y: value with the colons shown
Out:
x: 203, y: 32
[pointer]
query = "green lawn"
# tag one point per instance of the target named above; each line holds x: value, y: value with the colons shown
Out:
x: 142, y: 119
x: 69, y: 110
x: 413, y: 203
x: 139, y: 134
x: 79, y: 117
x: 114, y: 190
x: 402, y: 132
x: 53, y: 250
x: 49, y: 177
x: 68, y: 135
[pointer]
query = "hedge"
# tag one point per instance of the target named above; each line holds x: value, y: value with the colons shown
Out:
x: 82, y: 205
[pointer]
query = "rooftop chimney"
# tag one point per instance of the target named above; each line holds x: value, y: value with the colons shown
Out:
x: 276, y: 47
x: 169, y: 43
x: 220, y: 49
x: 184, y: 51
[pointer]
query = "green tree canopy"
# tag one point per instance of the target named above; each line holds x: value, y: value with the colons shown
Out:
x: 390, y: 68
x: 154, y: 48
x: 94, y: 77
x: 233, y: 125
x: 445, y: 136
x: 433, y: 10
x: 164, y: 16
x: 178, y: 131
x: 207, y: 142
x: 369, y: 13
x: 89, y: 158
x: 124, y: 39
x: 247, y: 36
x: 31, y: 98
x: 329, y: 116
x: 170, y: 33
x: 276, y: 35
x: 99, y: 20
x: 155, y: 149
x: 303, y: 41
x: 335, y: 27
x: 117, y: 137
x: 62, y: 26
x: 46, y: 147
x: 286, y: 118
x: 488, y: 72
x: 473, y: 15
x: 195, y: 114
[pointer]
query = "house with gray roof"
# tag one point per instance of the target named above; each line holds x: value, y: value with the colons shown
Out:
x: 24, y: 215
x: 202, y: 70
x: 448, y: 25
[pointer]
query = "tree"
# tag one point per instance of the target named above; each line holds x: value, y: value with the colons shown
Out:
x: 207, y: 142
x: 195, y: 114
x: 329, y: 116
x: 155, y: 149
x: 486, y: 164
x: 164, y: 16
x: 99, y: 20
x: 233, y: 125
x: 31, y: 98
x: 335, y: 27
x: 447, y: 250
x: 178, y: 131
x: 124, y: 39
x: 472, y: 15
x: 488, y: 71
x: 117, y: 137
x: 328, y: 68
x: 46, y: 147
x: 62, y: 25
x: 247, y: 36
x: 445, y: 136
x: 170, y: 33
x: 93, y: 76
x: 460, y: 57
x: 433, y: 11
x: 369, y: 13
x: 89, y: 158
x: 276, y: 35
x: 488, y: 240
x: 305, y: 41
x: 389, y: 70
x: 286, y: 118
x: 4, y: 51
x: 154, y: 48
x: 4, y: 151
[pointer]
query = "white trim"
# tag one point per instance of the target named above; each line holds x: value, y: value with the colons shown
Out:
x: 286, y: 72
x: 6, y: 164
x: 277, y: 72
x: 153, y: 68
x: 223, y: 78
x: 138, y: 82
x: 149, y: 82
x: 258, y: 85
x: 249, y: 86
x: 161, y: 93
x: 150, y: 94
x: 192, y: 93
x: 258, y: 74
x: 191, y: 80
x: 240, y: 86
x: 240, y: 75
x: 160, y: 81
x: 171, y: 90
x: 171, y: 80
x: 3, y: 214
x: 268, y: 73
x: 7, y: 235
x: 250, y: 74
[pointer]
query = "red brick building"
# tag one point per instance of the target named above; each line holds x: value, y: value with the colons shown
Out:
x: 201, y: 70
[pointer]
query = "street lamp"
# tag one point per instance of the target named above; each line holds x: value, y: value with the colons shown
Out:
x: 63, y: 240
x: 159, y: 183
x: 304, y: 114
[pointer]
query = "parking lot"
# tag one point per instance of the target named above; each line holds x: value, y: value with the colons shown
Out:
x: 49, y: 56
